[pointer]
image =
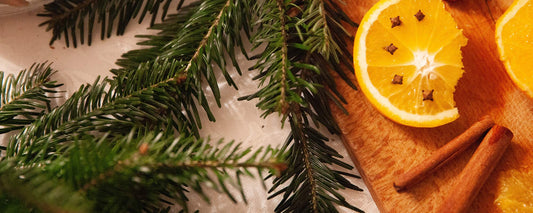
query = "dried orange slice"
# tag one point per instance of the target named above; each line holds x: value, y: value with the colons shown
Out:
x: 407, y: 59
x: 515, y: 193
x: 514, y: 36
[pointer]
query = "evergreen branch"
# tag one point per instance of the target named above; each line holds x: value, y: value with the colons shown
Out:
x: 26, y: 96
x: 93, y: 109
x: 335, y: 37
x: 208, y: 34
x: 181, y: 31
x: 30, y: 190
x: 86, y: 99
x: 163, y: 169
x: 73, y: 17
x: 155, y: 45
x: 197, y: 48
x: 312, y: 185
x: 324, y: 22
x: 303, y: 36
x: 274, y: 63
x: 166, y: 98
x: 298, y: 126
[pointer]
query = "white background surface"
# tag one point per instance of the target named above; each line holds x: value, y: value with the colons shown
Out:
x: 23, y: 43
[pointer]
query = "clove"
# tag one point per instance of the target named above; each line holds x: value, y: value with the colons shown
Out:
x: 395, y: 21
x: 419, y: 16
x: 391, y: 49
x: 427, y: 95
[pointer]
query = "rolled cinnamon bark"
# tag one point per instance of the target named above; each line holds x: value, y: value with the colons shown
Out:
x: 445, y: 153
x: 477, y: 170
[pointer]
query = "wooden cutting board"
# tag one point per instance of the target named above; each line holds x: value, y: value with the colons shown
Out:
x: 382, y: 149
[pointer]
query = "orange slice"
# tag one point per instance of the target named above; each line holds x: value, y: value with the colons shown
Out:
x: 407, y: 59
x: 515, y: 193
x: 514, y: 36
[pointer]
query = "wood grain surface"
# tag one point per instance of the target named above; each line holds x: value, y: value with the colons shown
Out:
x: 382, y: 149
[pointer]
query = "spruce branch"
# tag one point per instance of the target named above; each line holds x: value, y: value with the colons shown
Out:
x: 26, y: 96
x: 190, y: 44
x: 71, y: 18
x: 95, y: 108
x: 155, y: 45
x: 312, y: 185
x: 202, y: 34
x: 156, y: 169
x: 167, y: 97
x: 274, y: 63
x: 30, y: 190
x: 325, y: 23
x: 294, y: 72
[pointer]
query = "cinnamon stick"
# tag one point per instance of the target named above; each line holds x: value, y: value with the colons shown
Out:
x: 445, y: 153
x: 477, y: 170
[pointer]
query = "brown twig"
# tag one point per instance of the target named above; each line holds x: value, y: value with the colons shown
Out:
x: 445, y: 153
x: 477, y: 170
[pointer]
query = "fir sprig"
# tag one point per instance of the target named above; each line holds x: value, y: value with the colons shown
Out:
x: 145, y: 173
x: 198, y: 38
x: 76, y: 19
x: 294, y: 72
x: 154, y: 45
x: 25, y: 96
x: 32, y: 190
x: 136, y: 97
x: 33, y: 140
x: 139, y: 172
x: 97, y: 108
